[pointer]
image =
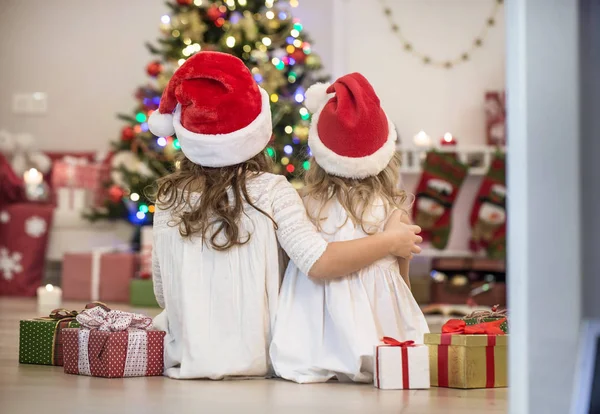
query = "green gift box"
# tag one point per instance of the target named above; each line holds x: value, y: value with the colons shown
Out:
x: 142, y: 294
x: 474, y: 321
x: 40, y: 340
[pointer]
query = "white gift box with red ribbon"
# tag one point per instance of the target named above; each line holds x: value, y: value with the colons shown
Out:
x: 401, y: 365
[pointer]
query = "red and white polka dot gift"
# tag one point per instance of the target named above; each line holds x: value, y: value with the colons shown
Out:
x: 113, y: 344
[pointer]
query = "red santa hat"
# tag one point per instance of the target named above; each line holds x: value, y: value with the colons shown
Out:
x: 350, y: 135
x: 219, y: 113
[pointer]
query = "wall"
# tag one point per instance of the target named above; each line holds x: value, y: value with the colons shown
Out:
x: 417, y: 96
x: 87, y: 55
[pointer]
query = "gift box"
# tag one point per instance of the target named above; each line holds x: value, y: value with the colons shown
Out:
x: 142, y: 294
x: 41, y: 339
x: 99, y: 275
x: 495, y: 116
x: 468, y: 358
x: 484, y: 316
x: 400, y: 365
x: 113, y: 344
x: 76, y: 180
x: 24, y: 231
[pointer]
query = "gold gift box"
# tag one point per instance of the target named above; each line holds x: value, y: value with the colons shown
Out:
x: 471, y: 361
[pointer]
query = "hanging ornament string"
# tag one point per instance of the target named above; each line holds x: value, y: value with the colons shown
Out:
x: 463, y: 57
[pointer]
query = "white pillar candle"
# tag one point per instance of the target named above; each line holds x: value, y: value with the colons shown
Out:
x: 49, y: 298
x: 33, y: 177
x: 422, y: 139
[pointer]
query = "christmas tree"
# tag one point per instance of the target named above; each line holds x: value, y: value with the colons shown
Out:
x: 271, y: 43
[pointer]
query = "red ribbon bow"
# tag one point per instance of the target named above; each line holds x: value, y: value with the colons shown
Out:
x: 394, y: 342
x: 458, y: 326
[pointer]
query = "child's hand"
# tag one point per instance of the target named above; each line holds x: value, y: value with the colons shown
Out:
x: 404, y: 237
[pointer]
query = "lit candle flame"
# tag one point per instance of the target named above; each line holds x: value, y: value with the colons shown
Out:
x: 49, y: 288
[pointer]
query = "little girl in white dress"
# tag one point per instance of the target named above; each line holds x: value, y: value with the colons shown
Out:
x: 220, y: 219
x: 326, y: 329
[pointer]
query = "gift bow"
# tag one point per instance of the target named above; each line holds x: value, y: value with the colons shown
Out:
x: 394, y: 342
x: 62, y: 313
x: 112, y: 320
x: 459, y: 326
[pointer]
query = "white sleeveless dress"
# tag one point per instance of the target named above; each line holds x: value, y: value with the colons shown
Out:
x: 219, y: 306
x: 327, y: 329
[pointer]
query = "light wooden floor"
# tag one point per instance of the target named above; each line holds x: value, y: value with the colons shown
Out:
x: 32, y: 388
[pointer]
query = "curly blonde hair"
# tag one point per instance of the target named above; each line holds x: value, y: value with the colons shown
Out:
x: 214, y: 213
x: 354, y: 195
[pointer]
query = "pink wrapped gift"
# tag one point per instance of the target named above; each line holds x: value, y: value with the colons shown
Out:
x: 99, y: 275
x: 113, y: 344
x: 74, y: 172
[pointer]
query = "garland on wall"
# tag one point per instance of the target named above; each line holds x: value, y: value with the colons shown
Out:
x: 427, y: 59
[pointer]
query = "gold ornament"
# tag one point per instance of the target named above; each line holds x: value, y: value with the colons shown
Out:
x: 313, y: 60
x: 301, y: 131
x: 163, y: 79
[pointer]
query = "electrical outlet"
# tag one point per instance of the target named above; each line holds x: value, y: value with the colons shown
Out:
x: 30, y: 103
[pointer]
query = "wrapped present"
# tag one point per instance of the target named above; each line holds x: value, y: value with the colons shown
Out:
x: 481, y: 316
x: 100, y: 275
x: 401, y: 365
x: 146, y: 251
x: 76, y: 180
x: 142, y: 294
x: 23, y: 244
x: 495, y: 115
x: 468, y: 356
x: 41, y: 339
x: 113, y: 344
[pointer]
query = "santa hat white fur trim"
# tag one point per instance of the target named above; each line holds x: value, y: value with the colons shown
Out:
x: 161, y: 125
x: 350, y: 167
x: 222, y: 150
x: 316, y: 96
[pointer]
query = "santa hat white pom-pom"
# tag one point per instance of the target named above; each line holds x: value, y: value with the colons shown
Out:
x: 316, y: 96
x: 161, y: 125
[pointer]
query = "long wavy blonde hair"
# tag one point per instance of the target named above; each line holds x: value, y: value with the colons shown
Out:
x: 355, y: 195
x: 213, y: 214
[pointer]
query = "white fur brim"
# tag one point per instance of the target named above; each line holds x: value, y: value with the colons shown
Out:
x: 350, y: 167
x: 222, y: 150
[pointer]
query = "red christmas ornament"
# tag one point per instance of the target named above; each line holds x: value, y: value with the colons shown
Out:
x: 185, y: 2
x: 154, y: 68
x: 127, y: 133
x: 213, y: 13
x: 145, y: 275
x: 115, y: 193
x: 298, y: 55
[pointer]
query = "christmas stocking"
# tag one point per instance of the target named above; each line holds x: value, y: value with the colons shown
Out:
x: 488, y: 217
x: 442, y: 177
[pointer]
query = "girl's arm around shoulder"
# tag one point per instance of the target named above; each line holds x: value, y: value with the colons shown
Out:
x: 322, y: 260
x: 403, y: 262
